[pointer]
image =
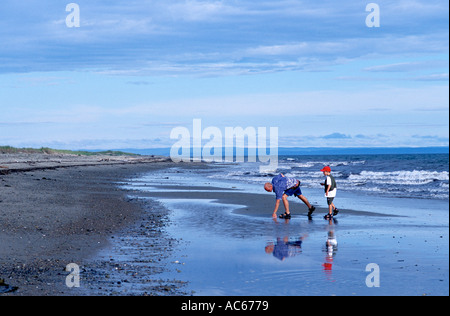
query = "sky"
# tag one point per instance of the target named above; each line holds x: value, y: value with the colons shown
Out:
x: 135, y: 70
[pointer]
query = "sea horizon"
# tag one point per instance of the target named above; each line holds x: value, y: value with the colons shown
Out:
x: 283, y: 151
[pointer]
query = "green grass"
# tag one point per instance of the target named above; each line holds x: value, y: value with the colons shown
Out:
x: 50, y: 151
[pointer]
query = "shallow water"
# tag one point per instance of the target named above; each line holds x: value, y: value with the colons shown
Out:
x: 225, y: 253
x: 231, y: 254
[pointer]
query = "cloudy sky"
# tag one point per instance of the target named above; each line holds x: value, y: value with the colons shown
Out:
x: 134, y: 70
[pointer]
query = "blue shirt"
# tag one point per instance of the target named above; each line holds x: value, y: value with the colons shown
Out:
x: 281, y: 184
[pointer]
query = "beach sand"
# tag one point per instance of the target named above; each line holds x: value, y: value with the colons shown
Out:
x: 56, y: 210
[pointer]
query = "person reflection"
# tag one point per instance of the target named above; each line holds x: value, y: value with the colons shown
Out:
x: 330, y: 249
x: 283, y: 248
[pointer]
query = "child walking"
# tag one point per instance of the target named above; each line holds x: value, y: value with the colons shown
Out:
x: 330, y: 192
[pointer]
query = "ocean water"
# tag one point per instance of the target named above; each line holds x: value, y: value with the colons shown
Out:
x: 237, y: 255
x: 421, y: 176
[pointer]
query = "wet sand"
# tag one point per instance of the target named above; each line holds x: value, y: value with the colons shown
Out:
x: 252, y: 204
x: 60, y: 210
x: 227, y: 233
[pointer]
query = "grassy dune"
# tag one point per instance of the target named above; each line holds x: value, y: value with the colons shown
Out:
x: 50, y: 151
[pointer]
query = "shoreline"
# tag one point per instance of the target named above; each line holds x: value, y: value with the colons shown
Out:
x: 61, y: 209
x: 23, y: 162
x: 225, y: 227
x: 120, y: 222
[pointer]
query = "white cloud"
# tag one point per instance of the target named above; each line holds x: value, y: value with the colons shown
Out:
x: 433, y: 77
x: 415, y: 7
x: 210, y: 37
x: 409, y: 66
x: 390, y: 100
x: 194, y: 10
x: 299, y: 49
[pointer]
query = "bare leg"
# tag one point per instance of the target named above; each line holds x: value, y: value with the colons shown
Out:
x: 335, y: 210
x: 286, y: 204
x: 305, y: 200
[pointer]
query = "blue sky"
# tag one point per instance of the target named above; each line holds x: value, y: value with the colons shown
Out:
x: 134, y: 70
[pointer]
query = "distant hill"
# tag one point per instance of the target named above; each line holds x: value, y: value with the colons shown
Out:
x: 50, y: 151
x: 284, y: 151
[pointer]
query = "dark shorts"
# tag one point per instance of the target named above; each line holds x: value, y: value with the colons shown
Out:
x: 295, y: 191
x: 330, y: 200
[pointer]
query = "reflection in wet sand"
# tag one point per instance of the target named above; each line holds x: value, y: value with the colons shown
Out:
x: 284, y: 248
x: 330, y: 250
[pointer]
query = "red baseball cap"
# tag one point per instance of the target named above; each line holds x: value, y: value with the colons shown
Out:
x: 326, y: 169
